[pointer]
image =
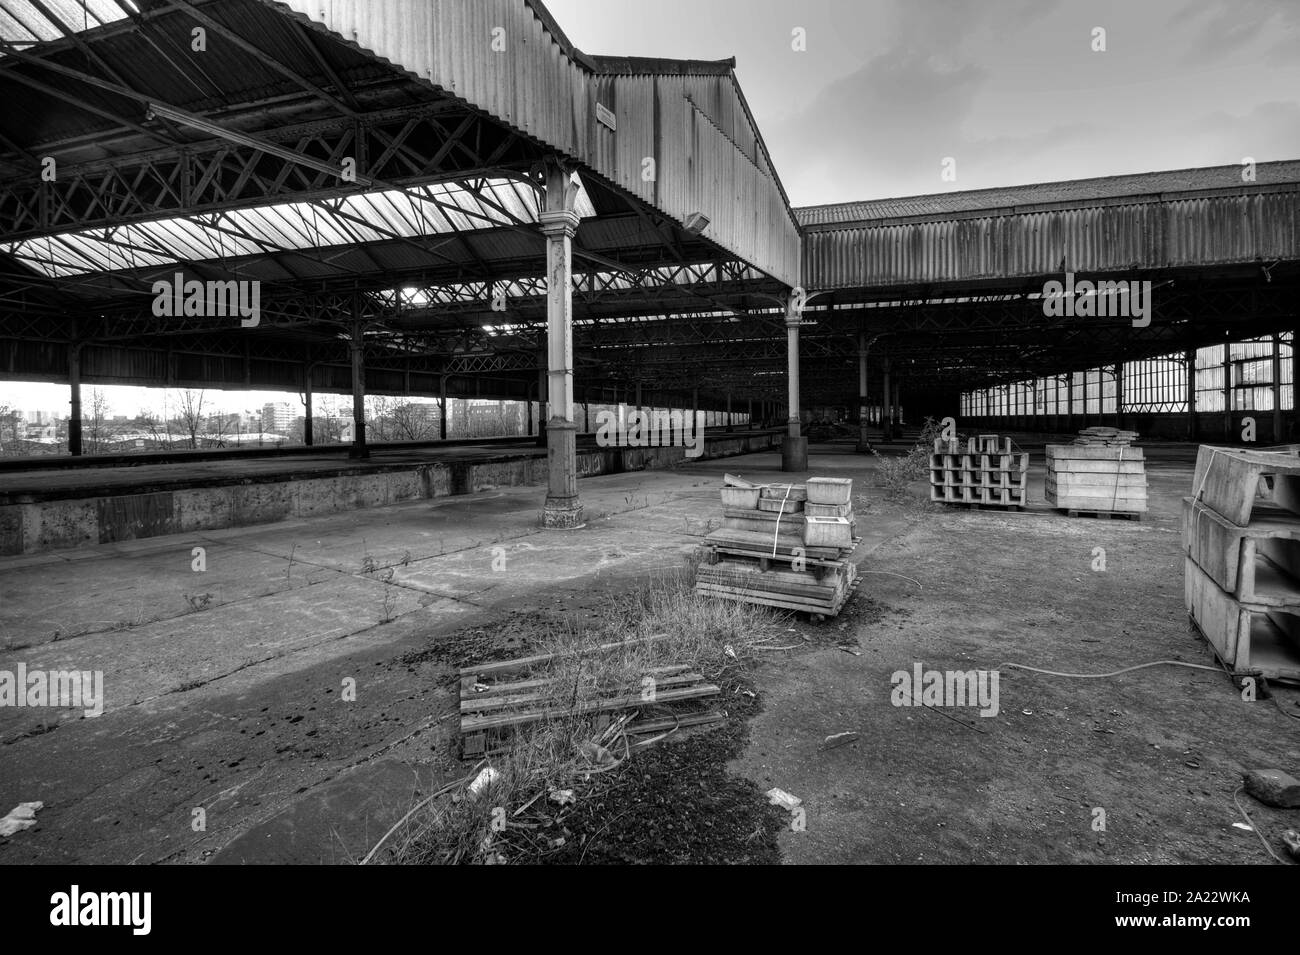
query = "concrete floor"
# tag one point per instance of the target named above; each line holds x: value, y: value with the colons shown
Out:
x: 236, y: 709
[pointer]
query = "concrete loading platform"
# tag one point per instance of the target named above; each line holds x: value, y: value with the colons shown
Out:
x: 42, y: 510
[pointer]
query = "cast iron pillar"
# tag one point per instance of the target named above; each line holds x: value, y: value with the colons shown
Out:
x: 359, y: 449
x: 308, y: 431
x: 74, y: 382
x: 559, y: 224
x: 864, y: 410
x: 887, y: 408
x: 794, y: 447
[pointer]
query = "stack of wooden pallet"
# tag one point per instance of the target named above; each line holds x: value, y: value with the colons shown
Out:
x: 1241, y: 533
x: 783, y: 545
x: 983, y: 471
x: 498, y: 699
x: 1098, y: 474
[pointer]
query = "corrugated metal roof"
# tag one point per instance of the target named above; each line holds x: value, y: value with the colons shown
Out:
x: 1174, y: 231
x: 1074, y: 190
x: 507, y: 58
x: 657, y: 66
x: 437, y: 209
x: 23, y: 22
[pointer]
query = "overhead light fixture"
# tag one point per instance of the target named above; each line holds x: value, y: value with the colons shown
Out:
x: 212, y: 129
x: 696, y: 223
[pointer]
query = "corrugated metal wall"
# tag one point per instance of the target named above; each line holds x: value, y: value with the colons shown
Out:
x: 705, y: 149
x: 1104, y: 237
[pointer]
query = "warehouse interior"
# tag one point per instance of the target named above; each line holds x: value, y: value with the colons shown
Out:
x: 430, y: 208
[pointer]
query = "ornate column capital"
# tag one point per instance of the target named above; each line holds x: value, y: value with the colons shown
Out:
x: 559, y: 223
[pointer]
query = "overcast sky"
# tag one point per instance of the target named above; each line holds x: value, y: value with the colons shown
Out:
x: 1010, y: 89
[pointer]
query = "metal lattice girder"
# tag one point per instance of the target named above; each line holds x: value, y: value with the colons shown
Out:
x: 526, y: 294
x: 419, y: 144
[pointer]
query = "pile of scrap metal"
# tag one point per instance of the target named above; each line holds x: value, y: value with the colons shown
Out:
x: 783, y: 545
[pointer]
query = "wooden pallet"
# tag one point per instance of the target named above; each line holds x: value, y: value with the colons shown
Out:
x: 760, y: 544
x: 497, y: 699
x: 818, y: 591
x: 1102, y: 515
x: 816, y: 608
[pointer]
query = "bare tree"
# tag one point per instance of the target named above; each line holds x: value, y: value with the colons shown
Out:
x: 379, y: 417
x: 327, y: 422
x: 190, y: 413
x: 95, y: 424
x: 414, y: 422
x: 391, y: 419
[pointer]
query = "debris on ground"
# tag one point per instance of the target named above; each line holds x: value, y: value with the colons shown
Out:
x: 500, y: 698
x: 779, y: 797
x: 1273, y: 787
x: 783, y: 545
x: 486, y: 777
x: 839, y: 739
x: 23, y: 816
x: 674, y: 803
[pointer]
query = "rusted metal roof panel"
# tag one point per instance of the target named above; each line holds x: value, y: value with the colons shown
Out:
x: 1262, y: 226
x: 501, y: 57
x: 495, y: 54
x: 1137, y: 187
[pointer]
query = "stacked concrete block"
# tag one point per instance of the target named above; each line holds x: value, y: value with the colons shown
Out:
x: 783, y: 545
x: 982, y: 471
x: 1241, y: 537
x: 1100, y: 473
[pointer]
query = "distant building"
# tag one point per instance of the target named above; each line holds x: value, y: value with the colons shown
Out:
x: 485, y: 418
x: 277, y: 417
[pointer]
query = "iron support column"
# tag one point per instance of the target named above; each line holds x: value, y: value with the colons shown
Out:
x: 1277, y: 388
x: 359, y: 449
x: 794, y: 447
x: 559, y: 224
x: 864, y: 410
x: 442, y: 407
x: 74, y: 383
x: 308, y: 431
x: 886, y: 408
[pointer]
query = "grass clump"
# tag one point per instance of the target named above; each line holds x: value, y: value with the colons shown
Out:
x: 663, y: 629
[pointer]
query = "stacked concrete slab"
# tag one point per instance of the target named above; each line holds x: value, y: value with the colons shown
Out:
x: 1100, y: 473
x: 982, y: 470
x: 1241, y: 535
x: 783, y: 545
